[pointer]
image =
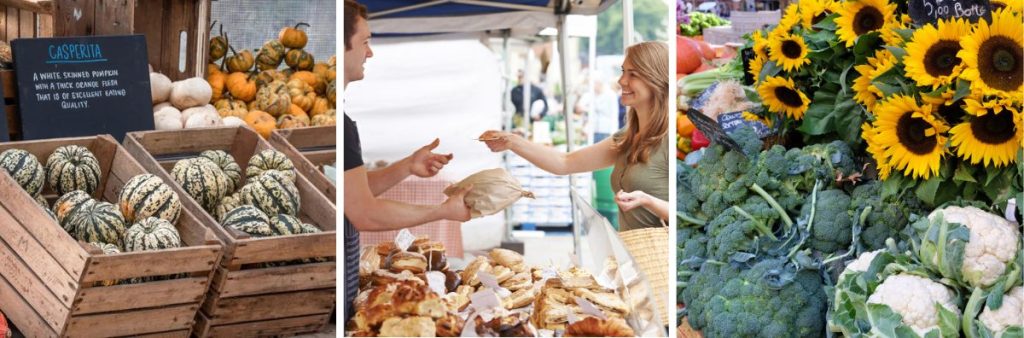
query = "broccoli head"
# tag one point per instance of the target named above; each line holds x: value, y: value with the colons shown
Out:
x: 832, y: 224
x: 882, y: 217
x: 770, y: 299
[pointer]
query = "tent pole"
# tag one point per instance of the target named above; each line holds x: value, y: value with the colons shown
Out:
x: 627, y: 23
x: 563, y: 37
x: 506, y: 103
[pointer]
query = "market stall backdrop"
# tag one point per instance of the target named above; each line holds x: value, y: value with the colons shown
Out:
x: 249, y: 22
x: 415, y: 91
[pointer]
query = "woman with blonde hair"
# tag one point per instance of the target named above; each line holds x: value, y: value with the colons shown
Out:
x: 639, y: 151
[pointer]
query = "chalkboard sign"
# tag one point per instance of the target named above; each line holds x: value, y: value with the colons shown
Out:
x: 730, y: 122
x: 4, y: 131
x: 712, y: 130
x: 82, y: 86
x: 930, y: 11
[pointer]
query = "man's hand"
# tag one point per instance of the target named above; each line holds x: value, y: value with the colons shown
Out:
x: 630, y: 200
x: 424, y: 163
x: 455, y: 207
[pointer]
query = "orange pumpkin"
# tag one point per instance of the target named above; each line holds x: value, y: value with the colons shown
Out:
x: 321, y: 68
x: 241, y: 86
x: 230, y: 107
x: 212, y: 68
x: 217, y: 81
x: 261, y: 122
x: 320, y: 106
x: 293, y: 37
x: 295, y: 110
x: 317, y: 82
x: 301, y: 93
x: 288, y: 121
x: 240, y: 62
x: 299, y: 59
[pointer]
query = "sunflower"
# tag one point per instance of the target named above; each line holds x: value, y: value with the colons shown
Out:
x: 788, y: 51
x: 990, y: 136
x: 857, y: 18
x: 760, y: 44
x: 781, y: 96
x: 1016, y: 6
x: 864, y: 90
x: 756, y: 64
x: 813, y: 11
x: 912, y: 138
x: 931, y: 55
x: 789, y: 20
x: 877, y: 152
x: 994, y: 55
x: 950, y: 111
x: 757, y: 118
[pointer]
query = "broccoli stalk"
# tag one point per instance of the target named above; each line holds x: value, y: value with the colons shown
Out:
x: 775, y: 205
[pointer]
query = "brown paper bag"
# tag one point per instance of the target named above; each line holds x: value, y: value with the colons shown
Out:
x: 493, y: 191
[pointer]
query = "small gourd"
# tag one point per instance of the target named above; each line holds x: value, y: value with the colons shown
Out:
x: 25, y: 169
x: 299, y: 59
x: 240, y: 62
x: 293, y: 37
x: 270, y: 55
x: 151, y: 233
x: 270, y: 159
x: 241, y: 86
x: 261, y: 122
x: 273, y: 98
x: 73, y: 167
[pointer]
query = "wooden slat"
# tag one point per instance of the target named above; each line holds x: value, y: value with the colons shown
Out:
x: 13, y: 25
x: 269, y: 328
x: 272, y: 249
x: 185, y: 141
x: 321, y: 157
x: 3, y: 23
x: 278, y: 279
x: 139, y: 296
x: 151, y: 263
x: 50, y: 308
x: 171, y: 334
x: 105, y: 148
x: 310, y: 137
x: 27, y: 24
x: 289, y: 142
x: 45, y: 25
x: 20, y: 312
x: 74, y: 17
x: 53, y: 240
x: 150, y: 23
x: 114, y: 17
x: 133, y: 322
x: 37, y: 6
x: 9, y: 83
x: 278, y: 305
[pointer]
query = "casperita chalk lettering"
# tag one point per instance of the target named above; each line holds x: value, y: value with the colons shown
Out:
x: 80, y: 51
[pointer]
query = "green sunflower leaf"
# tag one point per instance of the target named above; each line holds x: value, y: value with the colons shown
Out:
x: 926, y: 191
x: 964, y: 174
x: 963, y: 88
x: 828, y: 23
x: 898, y: 52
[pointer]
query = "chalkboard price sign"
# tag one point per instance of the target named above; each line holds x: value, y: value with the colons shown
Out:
x: 931, y: 11
x: 733, y: 121
x: 712, y: 129
x: 82, y: 86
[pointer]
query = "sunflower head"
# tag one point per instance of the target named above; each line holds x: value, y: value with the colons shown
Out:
x: 782, y: 97
x: 909, y: 135
x: 813, y: 11
x: 1016, y: 6
x: 788, y: 51
x: 789, y: 20
x: 760, y: 44
x: 994, y: 56
x: 991, y: 133
x: 757, y: 118
x: 756, y: 64
x: 859, y: 17
x: 931, y: 58
x: 876, y: 150
x: 865, y: 92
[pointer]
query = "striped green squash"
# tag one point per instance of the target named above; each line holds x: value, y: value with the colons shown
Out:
x: 270, y: 159
x: 98, y: 222
x: 108, y: 249
x: 272, y: 193
x: 68, y: 205
x: 227, y: 164
x: 151, y: 233
x: 309, y: 229
x: 228, y: 203
x: 146, y: 195
x: 72, y: 168
x: 203, y: 180
x: 248, y: 219
x: 284, y: 225
x: 25, y: 169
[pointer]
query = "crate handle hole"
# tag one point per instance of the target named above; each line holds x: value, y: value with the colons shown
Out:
x: 182, y: 48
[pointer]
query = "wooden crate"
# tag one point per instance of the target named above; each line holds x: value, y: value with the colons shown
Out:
x: 177, y: 31
x: 49, y: 280
x: 245, y: 297
x: 310, y: 149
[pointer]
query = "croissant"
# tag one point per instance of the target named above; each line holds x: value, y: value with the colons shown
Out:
x: 593, y: 327
x: 404, y: 260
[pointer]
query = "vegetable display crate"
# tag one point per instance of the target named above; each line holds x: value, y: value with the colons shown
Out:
x: 310, y: 149
x: 50, y: 284
x: 246, y: 298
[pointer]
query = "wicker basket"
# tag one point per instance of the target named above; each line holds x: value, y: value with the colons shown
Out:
x: 652, y: 258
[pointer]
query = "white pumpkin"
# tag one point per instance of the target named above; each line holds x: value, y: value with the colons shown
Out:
x: 206, y: 109
x: 162, y: 105
x: 233, y: 121
x: 166, y: 121
x: 169, y: 112
x: 159, y: 87
x: 190, y: 93
x: 203, y: 120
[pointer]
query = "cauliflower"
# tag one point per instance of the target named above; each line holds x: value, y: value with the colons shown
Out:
x: 1010, y: 314
x: 914, y: 298
x: 862, y: 262
x: 976, y: 245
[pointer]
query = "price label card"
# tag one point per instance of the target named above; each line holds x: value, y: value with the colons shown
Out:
x: 404, y: 239
x: 484, y: 300
x: 931, y: 11
x: 435, y: 280
x: 489, y: 281
x: 589, y: 308
x: 712, y: 130
x: 1011, y: 208
x: 730, y: 122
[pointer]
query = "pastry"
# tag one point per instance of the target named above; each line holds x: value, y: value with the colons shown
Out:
x: 469, y: 274
x: 456, y: 302
x: 408, y: 327
x: 518, y: 299
x: 369, y: 261
x: 507, y: 258
x: 449, y: 326
x: 385, y: 249
x: 501, y: 273
x: 452, y: 280
x: 407, y: 261
x: 433, y: 308
x: 436, y: 259
x: 519, y: 281
x: 594, y: 327
x: 607, y: 301
x: 385, y: 277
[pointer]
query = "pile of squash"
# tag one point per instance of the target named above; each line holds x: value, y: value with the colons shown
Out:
x: 258, y: 92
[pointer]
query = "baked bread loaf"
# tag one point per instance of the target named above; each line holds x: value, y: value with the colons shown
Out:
x: 478, y: 264
x: 594, y: 327
x: 415, y: 326
x: 407, y: 261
